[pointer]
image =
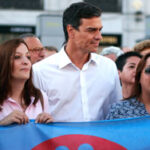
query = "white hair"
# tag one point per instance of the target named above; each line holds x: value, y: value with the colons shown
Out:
x: 111, y: 50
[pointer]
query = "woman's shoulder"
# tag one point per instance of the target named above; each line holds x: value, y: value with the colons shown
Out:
x: 125, y: 103
x: 122, y: 109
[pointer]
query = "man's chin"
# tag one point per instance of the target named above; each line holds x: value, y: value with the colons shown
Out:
x: 95, y: 50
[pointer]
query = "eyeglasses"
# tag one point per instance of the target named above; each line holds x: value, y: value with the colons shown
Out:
x: 147, y: 70
x: 37, y: 49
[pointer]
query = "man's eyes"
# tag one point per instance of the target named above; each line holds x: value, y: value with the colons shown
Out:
x: 92, y: 30
x: 131, y: 67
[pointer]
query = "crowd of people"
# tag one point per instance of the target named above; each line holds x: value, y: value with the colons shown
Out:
x: 74, y: 84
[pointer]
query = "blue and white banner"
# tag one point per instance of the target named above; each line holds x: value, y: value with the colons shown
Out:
x: 123, y: 134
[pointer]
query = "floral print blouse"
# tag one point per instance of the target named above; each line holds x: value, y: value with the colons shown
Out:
x: 127, y: 109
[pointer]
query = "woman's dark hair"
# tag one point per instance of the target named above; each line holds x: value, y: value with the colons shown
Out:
x: 137, y: 86
x: 7, y: 51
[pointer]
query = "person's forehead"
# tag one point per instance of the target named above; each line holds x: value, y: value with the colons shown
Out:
x: 91, y: 21
x: 33, y: 42
x: 133, y: 59
x: 21, y: 49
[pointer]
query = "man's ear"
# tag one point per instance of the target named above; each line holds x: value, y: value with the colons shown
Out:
x: 70, y: 31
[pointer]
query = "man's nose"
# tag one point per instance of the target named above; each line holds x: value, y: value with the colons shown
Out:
x: 99, y: 36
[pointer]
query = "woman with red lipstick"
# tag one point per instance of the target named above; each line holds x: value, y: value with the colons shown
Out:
x: 19, y: 99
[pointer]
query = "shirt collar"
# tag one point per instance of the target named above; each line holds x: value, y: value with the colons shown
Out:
x: 93, y: 58
x: 64, y: 59
x: 13, y: 101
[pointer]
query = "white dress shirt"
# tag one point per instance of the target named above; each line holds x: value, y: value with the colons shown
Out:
x: 74, y: 94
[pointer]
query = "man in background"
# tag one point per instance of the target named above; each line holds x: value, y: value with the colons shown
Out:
x: 111, y: 52
x: 35, y: 47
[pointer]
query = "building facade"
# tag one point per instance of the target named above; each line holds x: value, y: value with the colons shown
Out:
x: 125, y: 22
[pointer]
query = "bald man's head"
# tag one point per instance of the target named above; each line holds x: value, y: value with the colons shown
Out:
x: 36, y: 48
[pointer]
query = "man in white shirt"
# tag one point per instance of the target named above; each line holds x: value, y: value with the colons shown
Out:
x: 80, y: 84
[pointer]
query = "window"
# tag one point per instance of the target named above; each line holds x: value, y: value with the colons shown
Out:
x: 107, y: 5
x: 22, y: 4
x: 8, y: 32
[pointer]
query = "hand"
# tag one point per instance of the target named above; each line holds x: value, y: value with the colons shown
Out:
x: 15, y: 117
x: 44, y: 118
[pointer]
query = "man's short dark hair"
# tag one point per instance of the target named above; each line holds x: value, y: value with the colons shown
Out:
x: 122, y: 59
x: 75, y: 12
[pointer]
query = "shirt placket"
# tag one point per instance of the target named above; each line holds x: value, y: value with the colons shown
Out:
x: 16, y: 105
x: 84, y: 95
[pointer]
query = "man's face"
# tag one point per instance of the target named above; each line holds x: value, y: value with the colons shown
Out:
x: 88, y: 35
x: 111, y: 56
x: 129, y: 70
x: 36, y: 49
